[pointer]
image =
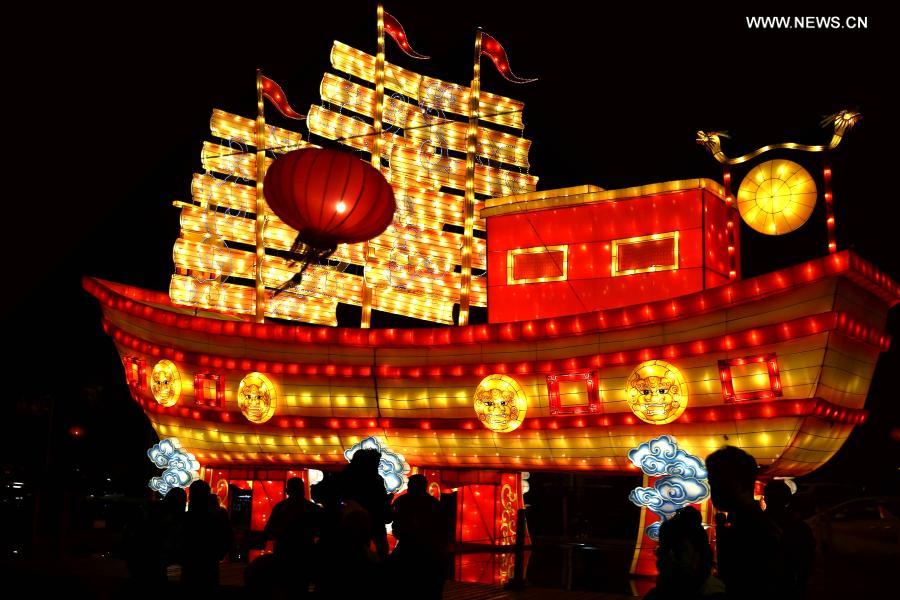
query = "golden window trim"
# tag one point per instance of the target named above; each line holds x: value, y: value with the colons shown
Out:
x: 511, y: 261
x: 616, y: 272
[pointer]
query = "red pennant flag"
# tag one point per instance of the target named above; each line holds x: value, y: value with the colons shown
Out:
x: 393, y: 28
x: 275, y: 94
x: 493, y: 49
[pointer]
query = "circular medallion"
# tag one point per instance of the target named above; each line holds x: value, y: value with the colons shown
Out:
x: 165, y: 383
x: 500, y: 403
x: 256, y: 398
x: 776, y: 197
x: 656, y: 392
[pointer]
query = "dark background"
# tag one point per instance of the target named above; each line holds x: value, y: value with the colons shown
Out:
x: 108, y: 110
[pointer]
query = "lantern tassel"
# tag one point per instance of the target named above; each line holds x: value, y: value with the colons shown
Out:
x: 302, y: 252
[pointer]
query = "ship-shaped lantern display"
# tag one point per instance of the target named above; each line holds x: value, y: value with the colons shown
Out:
x: 615, y: 316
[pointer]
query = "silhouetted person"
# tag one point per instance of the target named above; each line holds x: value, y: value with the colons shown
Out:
x: 685, y: 560
x: 327, y: 569
x: 171, y: 525
x: 142, y: 549
x: 798, y: 539
x: 294, y: 525
x: 207, y: 539
x: 362, y: 484
x: 421, y: 535
x: 348, y: 567
x: 749, y: 545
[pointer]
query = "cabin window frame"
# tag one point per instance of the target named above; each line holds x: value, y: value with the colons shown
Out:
x: 775, y: 389
x: 511, y: 263
x: 592, y: 383
x: 615, y: 252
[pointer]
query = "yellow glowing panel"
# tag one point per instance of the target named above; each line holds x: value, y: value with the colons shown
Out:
x: 199, y: 223
x: 657, y: 393
x: 165, y: 383
x: 409, y: 274
x: 427, y: 91
x: 624, y: 252
x: 241, y: 130
x: 210, y: 191
x: 351, y: 132
x: 492, y: 146
x: 573, y: 393
x: 436, y: 310
x: 256, y: 397
x: 777, y: 197
x: 750, y: 377
x: 241, y: 299
x: 500, y: 403
x: 428, y: 163
x: 234, y: 161
x: 360, y: 99
x: 554, y: 257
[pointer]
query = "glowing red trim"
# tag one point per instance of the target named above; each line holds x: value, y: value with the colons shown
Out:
x: 748, y: 338
x: 135, y: 372
x: 133, y: 301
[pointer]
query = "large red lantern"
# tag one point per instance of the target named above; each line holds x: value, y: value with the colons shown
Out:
x: 330, y: 198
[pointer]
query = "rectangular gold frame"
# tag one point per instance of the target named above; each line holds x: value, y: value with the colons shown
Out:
x: 511, y: 259
x: 642, y: 238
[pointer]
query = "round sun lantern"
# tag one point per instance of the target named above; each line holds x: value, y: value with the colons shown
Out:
x: 330, y: 198
x: 500, y: 403
x: 165, y: 383
x: 776, y: 197
x: 256, y: 398
x: 656, y: 392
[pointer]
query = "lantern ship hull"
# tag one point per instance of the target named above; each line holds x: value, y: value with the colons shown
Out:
x: 778, y: 364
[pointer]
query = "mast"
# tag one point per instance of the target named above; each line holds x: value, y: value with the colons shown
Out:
x: 471, y: 146
x: 260, y: 200
x: 377, y: 145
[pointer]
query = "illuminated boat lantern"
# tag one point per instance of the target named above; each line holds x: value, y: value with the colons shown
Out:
x: 614, y: 316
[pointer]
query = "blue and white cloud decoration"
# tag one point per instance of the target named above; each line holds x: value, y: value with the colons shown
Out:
x: 181, y: 468
x: 682, y: 479
x: 392, y: 467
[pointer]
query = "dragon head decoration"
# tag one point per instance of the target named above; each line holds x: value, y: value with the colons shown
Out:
x: 712, y: 140
x: 842, y: 121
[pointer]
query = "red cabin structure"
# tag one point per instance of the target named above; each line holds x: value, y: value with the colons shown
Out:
x: 576, y: 250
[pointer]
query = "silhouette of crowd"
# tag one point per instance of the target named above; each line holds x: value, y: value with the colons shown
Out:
x: 759, y: 554
x: 337, y: 546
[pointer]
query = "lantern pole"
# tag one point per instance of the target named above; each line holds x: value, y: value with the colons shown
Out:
x: 465, y: 284
x: 730, y: 233
x: 829, y: 206
x: 377, y: 145
x: 260, y: 199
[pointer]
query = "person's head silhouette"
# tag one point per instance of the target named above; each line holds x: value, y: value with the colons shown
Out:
x: 417, y: 485
x: 175, y: 500
x: 199, y: 499
x: 366, y: 460
x: 683, y: 557
x: 732, y: 475
x: 777, y: 495
x: 295, y: 488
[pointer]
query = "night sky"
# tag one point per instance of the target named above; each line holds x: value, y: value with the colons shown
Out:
x: 112, y: 118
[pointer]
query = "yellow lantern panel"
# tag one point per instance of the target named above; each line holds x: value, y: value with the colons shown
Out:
x: 777, y: 197
x: 165, y: 383
x: 500, y: 403
x: 257, y: 398
x: 657, y: 393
